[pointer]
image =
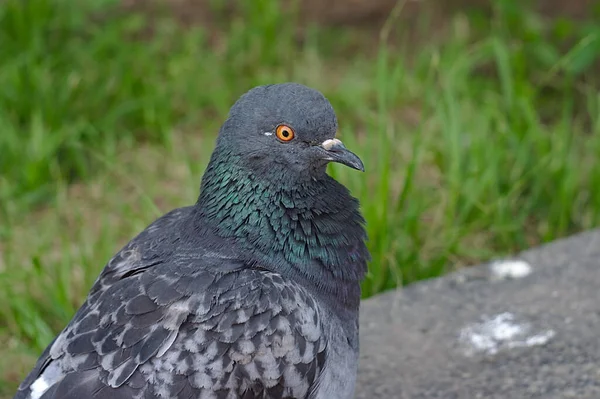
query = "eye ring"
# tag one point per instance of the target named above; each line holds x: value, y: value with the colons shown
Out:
x: 285, y: 133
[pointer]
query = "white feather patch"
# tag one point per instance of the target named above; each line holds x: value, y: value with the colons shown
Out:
x: 49, y: 377
x: 39, y: 387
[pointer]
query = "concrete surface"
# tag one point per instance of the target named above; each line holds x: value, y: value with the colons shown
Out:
x: 521, y: 330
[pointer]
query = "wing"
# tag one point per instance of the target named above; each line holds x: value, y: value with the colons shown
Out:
x: 187, y: 329
x: 127, y: 262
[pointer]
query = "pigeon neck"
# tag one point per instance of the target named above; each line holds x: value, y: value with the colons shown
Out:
x: 311, y: 230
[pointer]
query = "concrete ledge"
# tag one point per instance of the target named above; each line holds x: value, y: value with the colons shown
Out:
x: 506, y: 330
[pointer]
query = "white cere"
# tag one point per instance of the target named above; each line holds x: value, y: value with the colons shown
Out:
x: 329, y: 143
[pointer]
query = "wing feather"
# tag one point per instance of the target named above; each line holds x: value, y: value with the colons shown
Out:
x: 249, y: 331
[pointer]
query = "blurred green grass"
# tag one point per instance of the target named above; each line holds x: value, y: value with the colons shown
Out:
x: 477, y: 145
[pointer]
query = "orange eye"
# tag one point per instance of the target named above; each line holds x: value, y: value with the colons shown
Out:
x: 284, y: 133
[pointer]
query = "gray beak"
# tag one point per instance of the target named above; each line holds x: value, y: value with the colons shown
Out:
x: 336, y: 152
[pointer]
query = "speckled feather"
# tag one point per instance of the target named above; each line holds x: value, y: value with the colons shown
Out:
x: 251, y: 293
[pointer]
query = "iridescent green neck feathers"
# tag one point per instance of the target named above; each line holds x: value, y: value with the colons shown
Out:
x: 312, y: 227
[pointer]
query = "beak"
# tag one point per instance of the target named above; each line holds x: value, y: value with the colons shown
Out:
x: 335, y: 151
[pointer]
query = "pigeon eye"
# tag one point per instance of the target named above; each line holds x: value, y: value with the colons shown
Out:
x: 284, y: 133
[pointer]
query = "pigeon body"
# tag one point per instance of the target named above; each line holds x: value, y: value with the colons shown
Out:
x: 252, y: 292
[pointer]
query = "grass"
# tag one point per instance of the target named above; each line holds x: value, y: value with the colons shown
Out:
x: 477, y: 145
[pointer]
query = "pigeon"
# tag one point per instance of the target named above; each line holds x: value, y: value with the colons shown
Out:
x: 252, y: 292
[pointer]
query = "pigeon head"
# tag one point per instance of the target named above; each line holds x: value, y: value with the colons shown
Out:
x: 267, y: 191
x: 284, y: 130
